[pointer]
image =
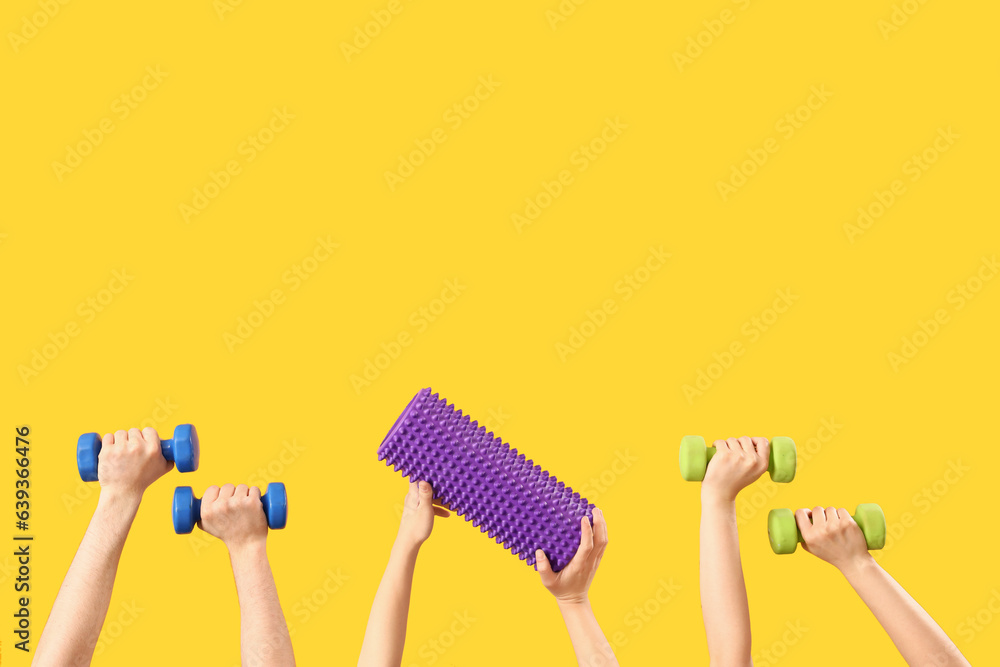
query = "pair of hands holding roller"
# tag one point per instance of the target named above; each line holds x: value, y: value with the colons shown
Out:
x: 569, y: 586
x: 831, y: 534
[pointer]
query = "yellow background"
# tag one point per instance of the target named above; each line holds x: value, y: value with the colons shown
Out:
x: 494, y: 348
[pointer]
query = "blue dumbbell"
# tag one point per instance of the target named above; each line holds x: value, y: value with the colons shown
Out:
x: 182, y: 449
x: 187, y: 508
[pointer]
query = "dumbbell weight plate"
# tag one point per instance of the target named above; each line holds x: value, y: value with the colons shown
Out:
x: 693, y: 458
x: 782, y: 531
x: 783, y: 459
x: 871, y: 520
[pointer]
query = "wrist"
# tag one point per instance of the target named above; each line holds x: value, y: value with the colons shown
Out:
x: 406, y: 548
x: 573, y: 603
x: 719, y: 499
x: 247, y: 548
x: 120, y: 501
x: 857, y: 565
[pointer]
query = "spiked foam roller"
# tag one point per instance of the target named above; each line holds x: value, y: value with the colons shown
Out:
x: 484, y: 480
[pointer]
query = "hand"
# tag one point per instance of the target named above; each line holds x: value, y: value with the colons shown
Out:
x: 571, y: 584
x: 234, y: 514
x: 131, y: 461
x: 832, y: 535
x: 419, y: 511
x: 737, y: 463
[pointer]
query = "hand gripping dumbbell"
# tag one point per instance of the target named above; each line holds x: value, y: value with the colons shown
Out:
x: 182, y: 449
x: 187, y: 508
x: 695, y: 457
x: 784, y: 535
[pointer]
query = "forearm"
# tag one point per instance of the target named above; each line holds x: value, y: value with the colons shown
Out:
x: 264, y: 636
x: 724, y: 604
x: 589, y: 643
x: 917, y: 637
x: 78, y: 613
x: 386, y: 631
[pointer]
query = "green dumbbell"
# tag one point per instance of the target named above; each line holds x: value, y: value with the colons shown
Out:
x: 784, y: 535
x: 695, y: 457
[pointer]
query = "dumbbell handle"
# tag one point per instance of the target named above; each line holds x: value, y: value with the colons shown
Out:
x: 865, y: 530
x: 264, y: 500
x: 275, y: 520
x: 89, y: 446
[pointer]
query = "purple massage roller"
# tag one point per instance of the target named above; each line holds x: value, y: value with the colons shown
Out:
x: 480, y: 478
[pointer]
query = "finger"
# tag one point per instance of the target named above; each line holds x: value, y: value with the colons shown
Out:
x: 440, y: 511
x: 254, y: 492
x: 544, y: 568
x: 600, y: 530
x: 107, y: 440
x: 720, y: 444
x: 844, y: 515
x: 242, y: 491
x: 227, y: 491
x: 734, y: 444
x: 803, y: 519
x: 426, y: 494
x: 135, y: 437
x: 818, y: 516
x: 149, y: 434
x: 746, y: 444
x: 586, y: 541
x: 763, y: 447
x: 211, y: 494
x: 121, y: 437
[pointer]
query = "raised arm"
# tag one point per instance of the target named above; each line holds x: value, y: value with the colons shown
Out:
x: 128, y: 463
x: 724, y: 607
x: 834, y: 536
x: 571, y: 587
x: 234, y: 515
x: 386, y: 631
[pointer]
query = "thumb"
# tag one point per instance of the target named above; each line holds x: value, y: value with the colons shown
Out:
x: 544, y: 568
x: 425, y: 494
